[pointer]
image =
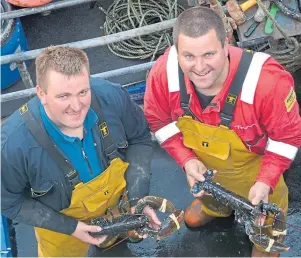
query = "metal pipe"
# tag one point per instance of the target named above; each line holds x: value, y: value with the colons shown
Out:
x: 48, y: 7
x: 32, y: 91
x: 18, y: 95
x: 100, y: 41
x: 25, y: 75
x: 126, y: 70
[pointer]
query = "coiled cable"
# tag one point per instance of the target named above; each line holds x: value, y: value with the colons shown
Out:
x: 124, y: 15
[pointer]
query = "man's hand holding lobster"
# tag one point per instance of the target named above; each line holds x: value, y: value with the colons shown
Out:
x: 155, y: 222
x: 259, y: 192
x: 82, y: 232
x: 195, y: 170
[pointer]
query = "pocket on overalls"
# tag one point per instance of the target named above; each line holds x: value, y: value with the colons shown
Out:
x: 97, y: 201
x: 116, y: 196
x: 208, y: 145
x: 106, y: 196
x: 41, y: 189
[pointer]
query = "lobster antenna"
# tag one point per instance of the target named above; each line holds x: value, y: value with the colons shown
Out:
x: 123, y: 204
x: 110, y: 211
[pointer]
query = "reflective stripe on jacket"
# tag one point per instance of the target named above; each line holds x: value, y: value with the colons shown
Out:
x: 266, y: 117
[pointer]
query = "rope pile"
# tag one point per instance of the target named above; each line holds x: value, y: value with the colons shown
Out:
x: 124, y: 15
x: 288, y: 52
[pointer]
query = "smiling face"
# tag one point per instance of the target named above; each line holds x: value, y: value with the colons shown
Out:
x: 66, y: 99
x: 204, y: 60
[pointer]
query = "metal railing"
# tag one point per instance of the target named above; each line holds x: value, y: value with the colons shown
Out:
x: 128, y: 70
x: 21, y: 65
x: 19, y: 58
x: 95, y: 42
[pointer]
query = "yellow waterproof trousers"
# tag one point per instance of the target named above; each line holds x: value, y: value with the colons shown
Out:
x: 89, y: 201
x: 220, y: 148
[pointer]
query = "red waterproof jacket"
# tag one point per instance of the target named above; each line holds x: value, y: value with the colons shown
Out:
x: 268, y: 125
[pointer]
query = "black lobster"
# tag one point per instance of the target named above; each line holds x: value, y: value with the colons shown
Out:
x: 247, y: 213
x: 139, y: 222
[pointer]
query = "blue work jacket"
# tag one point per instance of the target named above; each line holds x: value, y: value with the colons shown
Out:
x: 34, y: 188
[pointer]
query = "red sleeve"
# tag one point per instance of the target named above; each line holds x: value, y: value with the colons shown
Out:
x: 159, y: 113
x: 281, y: 120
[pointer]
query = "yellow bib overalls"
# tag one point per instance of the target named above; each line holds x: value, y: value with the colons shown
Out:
x: 89, y: 200
x: 220, y: 148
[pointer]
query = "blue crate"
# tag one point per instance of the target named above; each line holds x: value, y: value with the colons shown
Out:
x: 136, y: 91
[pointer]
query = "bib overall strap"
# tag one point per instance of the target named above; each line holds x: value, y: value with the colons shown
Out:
x: 183, y: 94
x: 235, y: 89
x: 42, y: 137
x: 109, y: 146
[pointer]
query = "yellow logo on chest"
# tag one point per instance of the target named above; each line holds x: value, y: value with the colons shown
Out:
x: 104, y: 129
x: 231, y: 99
x: 23, y: 109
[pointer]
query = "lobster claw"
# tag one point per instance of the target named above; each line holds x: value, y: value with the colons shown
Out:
x: 278, y: 225
x: 274, y: 244
x: 170, y: 224
x: 268, y: 244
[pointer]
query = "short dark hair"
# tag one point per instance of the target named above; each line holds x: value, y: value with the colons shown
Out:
x: 62, y: 59
x: 196, y: 22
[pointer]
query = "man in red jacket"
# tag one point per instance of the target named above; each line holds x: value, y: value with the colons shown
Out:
x: 215, y: 106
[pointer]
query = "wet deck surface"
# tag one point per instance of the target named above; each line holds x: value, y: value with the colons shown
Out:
x: 223, y: 237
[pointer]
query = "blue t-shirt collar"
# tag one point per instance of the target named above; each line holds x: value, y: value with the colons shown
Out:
x: 54, y: 130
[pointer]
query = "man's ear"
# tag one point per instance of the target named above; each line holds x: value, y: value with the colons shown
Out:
x: 41, y: 94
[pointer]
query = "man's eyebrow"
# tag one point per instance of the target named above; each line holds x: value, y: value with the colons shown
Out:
x: 88, y: 88
x: 186, y: 53
x: 210, y: 51
x: 62, y: 94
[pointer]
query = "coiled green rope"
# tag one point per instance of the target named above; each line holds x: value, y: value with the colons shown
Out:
x: 124, y: 15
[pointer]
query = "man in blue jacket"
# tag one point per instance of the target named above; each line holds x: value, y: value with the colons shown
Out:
x: 71, y: 153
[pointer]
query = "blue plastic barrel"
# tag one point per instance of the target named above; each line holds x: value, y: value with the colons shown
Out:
x: 5, y: 243
x: 13, y: 40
